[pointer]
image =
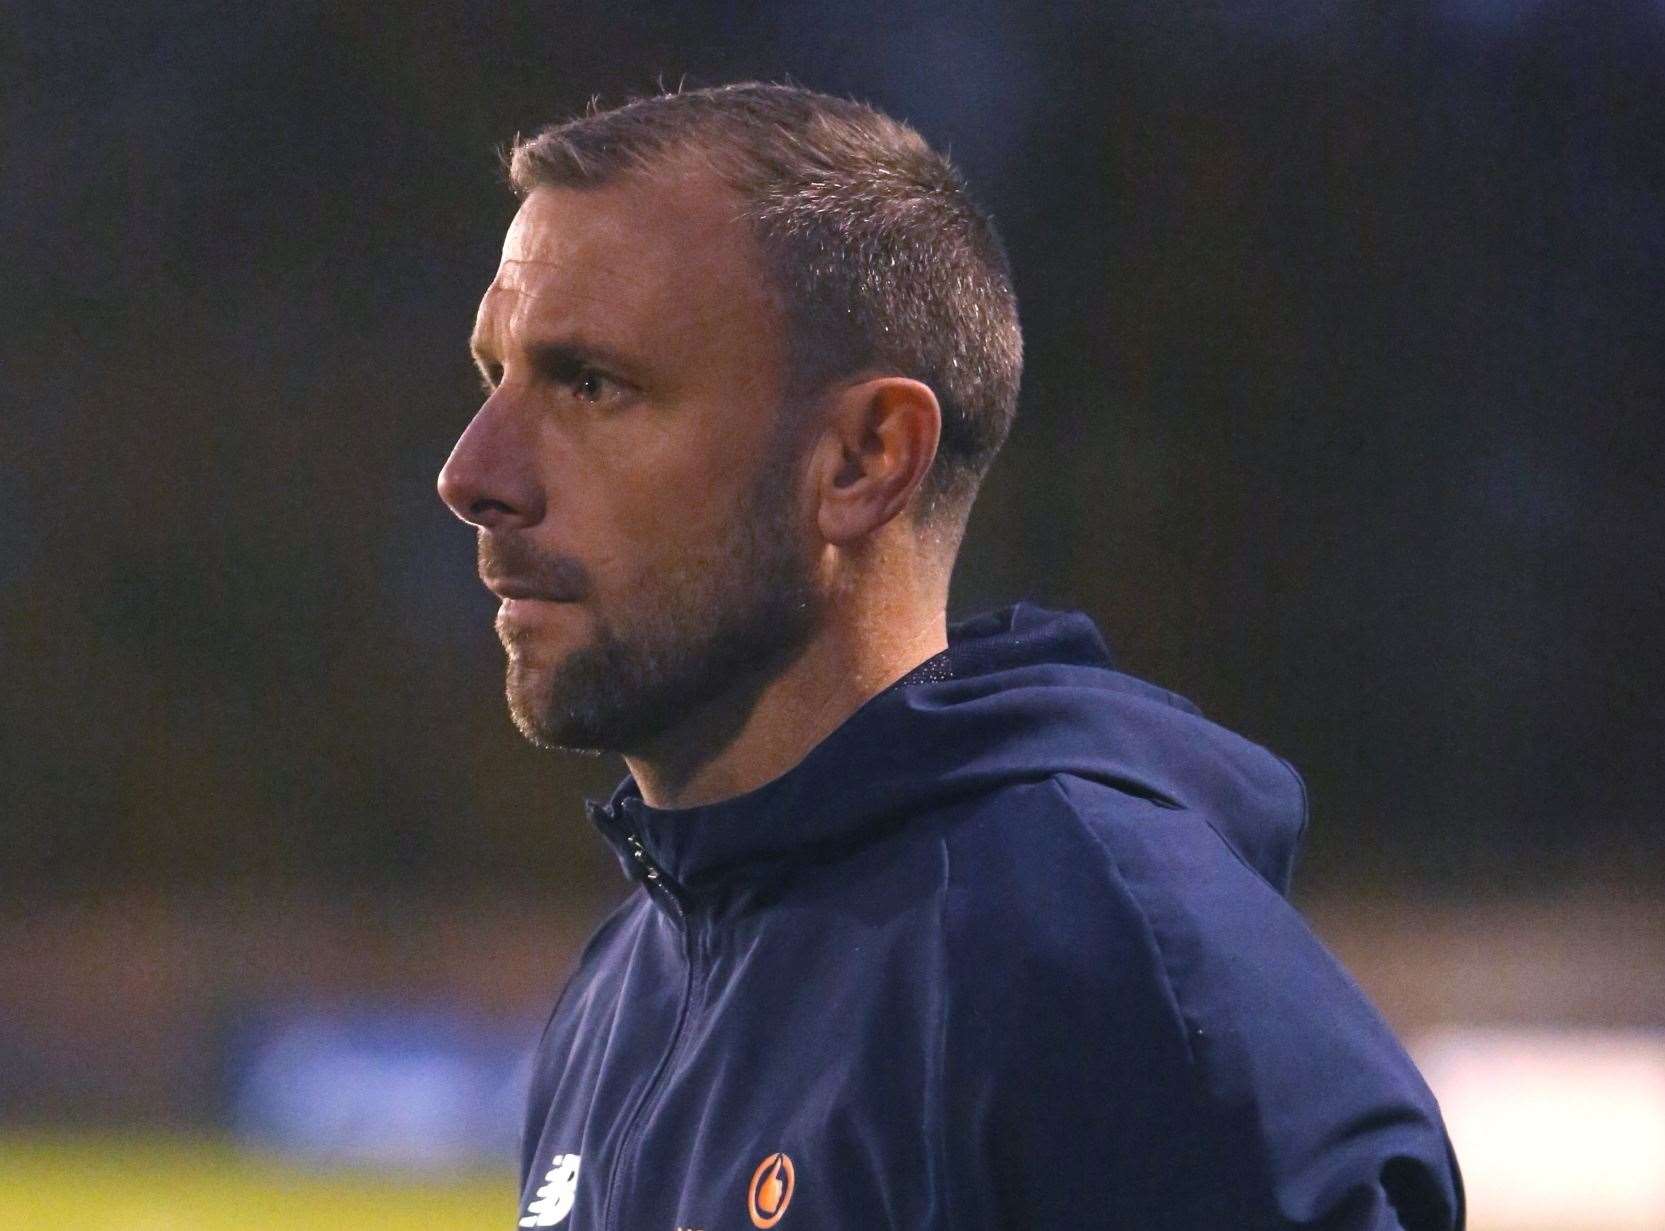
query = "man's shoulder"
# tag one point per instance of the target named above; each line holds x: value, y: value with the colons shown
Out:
x: 1087, y: 853
x: 1139, y: 1009
x: 1041, y: 918
x: 597, y: 973
x: 1084, y: 894
x: 1141, y: 925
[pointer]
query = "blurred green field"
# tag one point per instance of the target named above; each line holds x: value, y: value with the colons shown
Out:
x: 167, y: 1183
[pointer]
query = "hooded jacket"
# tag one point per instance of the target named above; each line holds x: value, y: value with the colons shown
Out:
x: 1008, y: 949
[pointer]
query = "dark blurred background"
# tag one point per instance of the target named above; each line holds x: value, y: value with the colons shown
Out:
x: 1341, y: 415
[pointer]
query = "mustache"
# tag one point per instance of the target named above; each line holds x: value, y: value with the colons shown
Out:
x: 508, y: 559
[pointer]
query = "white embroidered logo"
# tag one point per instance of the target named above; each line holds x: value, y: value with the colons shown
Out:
x: 555, y: 1195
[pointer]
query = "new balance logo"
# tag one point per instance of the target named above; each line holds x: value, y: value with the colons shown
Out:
x: 554, y: 1198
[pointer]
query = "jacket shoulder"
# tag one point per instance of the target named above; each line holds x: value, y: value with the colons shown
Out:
x: 1220, y: 1068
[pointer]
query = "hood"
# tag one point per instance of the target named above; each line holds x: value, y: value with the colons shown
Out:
x: 1019, y: 695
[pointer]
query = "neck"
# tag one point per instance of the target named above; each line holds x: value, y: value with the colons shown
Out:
x: 763, y: 727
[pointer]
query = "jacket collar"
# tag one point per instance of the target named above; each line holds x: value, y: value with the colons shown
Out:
x: 787, y: 816
x: 1020, y: 695
x: 914, y: 744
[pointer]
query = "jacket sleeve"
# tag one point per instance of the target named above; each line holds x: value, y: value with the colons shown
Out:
x: 1146, y: 1035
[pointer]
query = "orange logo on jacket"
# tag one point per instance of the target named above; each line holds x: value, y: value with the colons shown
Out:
x: 771, y: 1190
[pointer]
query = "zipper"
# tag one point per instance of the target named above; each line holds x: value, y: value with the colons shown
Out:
x: 656, y: 881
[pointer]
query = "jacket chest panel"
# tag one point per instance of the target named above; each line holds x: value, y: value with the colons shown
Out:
x: 775, y: 1101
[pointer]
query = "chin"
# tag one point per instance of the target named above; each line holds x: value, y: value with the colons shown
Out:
x: 538, y: 715
x: 527, y: 690
x: 535, y: 721
x: 527, y: 643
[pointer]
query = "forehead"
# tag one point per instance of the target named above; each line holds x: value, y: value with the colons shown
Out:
x: 661, y: 261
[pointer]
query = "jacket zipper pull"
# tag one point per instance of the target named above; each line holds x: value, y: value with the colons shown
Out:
x: 655, y: 875
x: 640, y: 855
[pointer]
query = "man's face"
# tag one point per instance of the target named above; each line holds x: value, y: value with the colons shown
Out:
x: 634, y: 497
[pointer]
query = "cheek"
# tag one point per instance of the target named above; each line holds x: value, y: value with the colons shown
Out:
x: 660, y: 501
x: 680, y: 482
x: 674, y: 523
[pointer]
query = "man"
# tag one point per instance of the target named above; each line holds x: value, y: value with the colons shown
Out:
x: 933, y: 927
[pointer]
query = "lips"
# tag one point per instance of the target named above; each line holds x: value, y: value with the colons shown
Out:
x: 526, y: 612
x: 513, y: 570
x: 543, y: 589
x: 515, y: 590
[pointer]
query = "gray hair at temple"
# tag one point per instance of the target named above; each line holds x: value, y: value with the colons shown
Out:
x: 877, y: 251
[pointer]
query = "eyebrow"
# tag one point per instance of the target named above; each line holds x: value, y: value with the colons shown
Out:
x: 561, y: 354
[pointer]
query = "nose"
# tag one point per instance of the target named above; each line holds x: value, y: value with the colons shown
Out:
x: 490, y: 479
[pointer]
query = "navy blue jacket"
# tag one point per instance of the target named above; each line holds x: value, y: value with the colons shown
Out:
x: 1008, y: 949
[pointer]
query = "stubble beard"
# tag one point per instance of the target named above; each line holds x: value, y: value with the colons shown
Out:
x: 737, y: 612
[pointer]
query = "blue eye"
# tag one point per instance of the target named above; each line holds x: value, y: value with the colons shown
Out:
x: 589, y: 385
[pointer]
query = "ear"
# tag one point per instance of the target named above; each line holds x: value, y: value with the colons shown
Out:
x: 879, y: 438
